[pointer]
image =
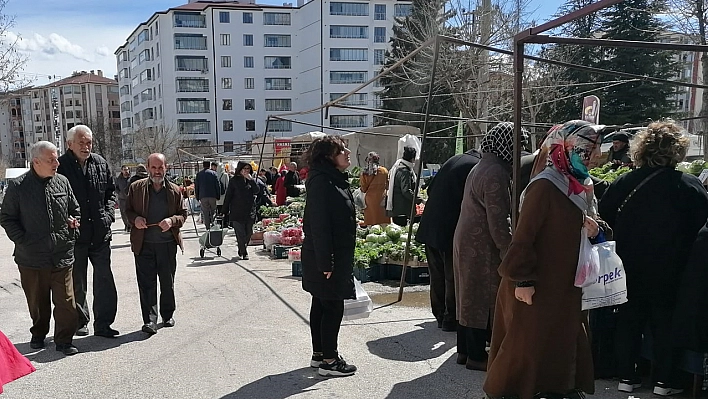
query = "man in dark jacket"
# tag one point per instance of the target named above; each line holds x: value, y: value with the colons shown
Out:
x: 208, y: 191
x: 402, y: 187
x: 437, y: 228
x: 292, y: 179
x: 92, y: 181
x: 40, y: 215
x: 619, y: 153
x: 240, y: 206
x: 156, y: 210
x: 122, y: 183
x: 140, y: 173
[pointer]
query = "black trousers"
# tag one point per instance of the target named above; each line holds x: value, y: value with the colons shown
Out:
x: 632, y: 320
x: 400, y: 220
x: 157, y: 260
x: 39, y: 285
x: 442, y: 284
x: 325, y: 320
x: 473, y: 342
x: 105, y: 295
x: 243, y: 231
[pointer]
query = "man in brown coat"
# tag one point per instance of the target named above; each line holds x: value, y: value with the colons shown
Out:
x: 154, y: 207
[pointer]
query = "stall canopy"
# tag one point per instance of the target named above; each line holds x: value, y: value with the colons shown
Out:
x: 382, y: 140
x: 11, y: 173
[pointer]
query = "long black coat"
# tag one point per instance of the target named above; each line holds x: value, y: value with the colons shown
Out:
x: 437, y: 225
x: 330, y: 235
x: 95, y: 192
x: 656, y: 229
x: 240, y: 200
x: 691, y: 318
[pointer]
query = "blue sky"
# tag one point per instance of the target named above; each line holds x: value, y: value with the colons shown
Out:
x: 62, y: 36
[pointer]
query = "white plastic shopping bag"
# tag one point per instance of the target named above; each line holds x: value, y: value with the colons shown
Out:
x: 359, y: 199
x: 610, y: 288
x: 588, y: 262
x: 359, y: 308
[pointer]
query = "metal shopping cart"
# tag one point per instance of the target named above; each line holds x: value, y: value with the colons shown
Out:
x: 213, y: 238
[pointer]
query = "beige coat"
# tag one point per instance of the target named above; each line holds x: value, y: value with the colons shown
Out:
x: 543, y: 347
x: 375, y: 186
x: 482, y: 236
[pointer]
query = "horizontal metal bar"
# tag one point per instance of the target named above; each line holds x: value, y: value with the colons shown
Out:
x: 544, y: 39
x: 562, y: 20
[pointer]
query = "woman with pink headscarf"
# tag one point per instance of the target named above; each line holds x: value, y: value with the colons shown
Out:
x: 539, y: 340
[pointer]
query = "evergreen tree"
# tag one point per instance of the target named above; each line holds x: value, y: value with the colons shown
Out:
x: 636, y: 102
x: 406, y: 87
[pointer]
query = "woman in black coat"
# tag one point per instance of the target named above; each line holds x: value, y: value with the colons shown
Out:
x: 656, y: 213
x: 240, y: 206
x: 328, y: 250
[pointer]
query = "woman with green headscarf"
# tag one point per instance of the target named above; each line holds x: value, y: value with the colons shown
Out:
x: 539, y: 338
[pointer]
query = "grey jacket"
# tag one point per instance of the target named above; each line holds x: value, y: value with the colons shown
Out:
x: 403, y: 191
x: 35, y: 215
x: 122, y: 184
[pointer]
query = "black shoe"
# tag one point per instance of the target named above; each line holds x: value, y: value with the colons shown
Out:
x: 461, y: 358
x: 338, y: 368
x: 440, y: 323
x: 150, y: 328
x: 244, y: 257
x: 168, y: 323
x: 106, y: 332
x: 449, y: 326
x: 37, y: 343
x: 82, y: 331
x: 317, y: 359
x: 67, y: 349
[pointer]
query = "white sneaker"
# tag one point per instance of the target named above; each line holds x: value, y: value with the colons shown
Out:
x: 665, y: 390
x: 628, y: 386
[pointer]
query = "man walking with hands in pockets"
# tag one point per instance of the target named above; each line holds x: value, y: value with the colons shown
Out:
x: 154, y: 206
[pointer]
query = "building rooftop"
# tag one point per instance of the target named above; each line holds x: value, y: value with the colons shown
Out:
x: 82, y: 77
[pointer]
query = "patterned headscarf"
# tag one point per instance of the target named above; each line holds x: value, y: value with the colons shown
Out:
x: 570, y: 147
x: 500, y: 141
x: 372, y: 164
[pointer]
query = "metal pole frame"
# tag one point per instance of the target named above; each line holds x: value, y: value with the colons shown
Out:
x: 265, y: 134
x: 419, y: 167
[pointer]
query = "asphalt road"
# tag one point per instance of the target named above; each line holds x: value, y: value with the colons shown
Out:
x: 241, y: 332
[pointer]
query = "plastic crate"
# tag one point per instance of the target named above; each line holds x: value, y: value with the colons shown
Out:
x: 281, y: 251
x: 297, y: 269
x: 414, y: 275
x: 375, y: 272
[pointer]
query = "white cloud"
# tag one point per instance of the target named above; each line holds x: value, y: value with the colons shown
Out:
x: 104, y: 51
x: 49, y: 46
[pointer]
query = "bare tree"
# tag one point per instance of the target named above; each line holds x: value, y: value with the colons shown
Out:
x: 107, y: 141
x: 160, y: 138
x: 12, y: 60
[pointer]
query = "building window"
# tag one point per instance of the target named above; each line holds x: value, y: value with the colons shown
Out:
x: 348, y: 32
x: 250, y: 126
x: 228, y: 104
x: 280, y: 126
x: 285, y: 104
x: 193, y: 126
x: 226, y: 83
x: 125, y: 123
x: 380, y: 12
x: 379, y: 35
x: 125, y: 106
x: 249, y: 83
x: 115, y: 114
x: 276, y: 18
x: 348, y: 54
x: 354, y: 99
x: 189, y: 20
x: 143, y: 36
x: 349, y: 9
x: 228, y: 146
x: 248, y: 40
x: 224, y: 17
x: 225, y: 39
x: 148, y: 113
x: 250, y: 104
x: 347, y: 121
x: 124, y: 73
x: 226, y: 61
x: 348, y: 77
x: 125, y: 90
x: 185, y: 41
x: 187, y: 85
x: 192, y: 105
x: 146, y: 95
x: 144, y: 56
x: 278, y: 63
x: 190, y: 63
x: 145, y: 75
x: 278, y: 83
x: 248, y: 62
x: 402, y: 10
x: 69, y: 115
x: 379, y: 57
x: 276, y: 41
x: 228, y: 126
x: 247, y: 17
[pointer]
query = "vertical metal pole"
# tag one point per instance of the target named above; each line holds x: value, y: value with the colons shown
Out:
x: 419, y: 167
x: 518, y: 106
x: 265, y: 134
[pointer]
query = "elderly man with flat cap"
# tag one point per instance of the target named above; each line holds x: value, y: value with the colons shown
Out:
x: 619, y: 153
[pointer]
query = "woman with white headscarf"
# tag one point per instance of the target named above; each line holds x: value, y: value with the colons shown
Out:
x: 481, y: 238
x: 374, y: 181
x: 540, y: 344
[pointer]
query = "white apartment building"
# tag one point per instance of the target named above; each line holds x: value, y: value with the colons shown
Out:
x: 48, y: 112
x: 213, y: 71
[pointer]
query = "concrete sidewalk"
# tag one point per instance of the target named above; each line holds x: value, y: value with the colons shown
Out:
x: 241, y: 332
